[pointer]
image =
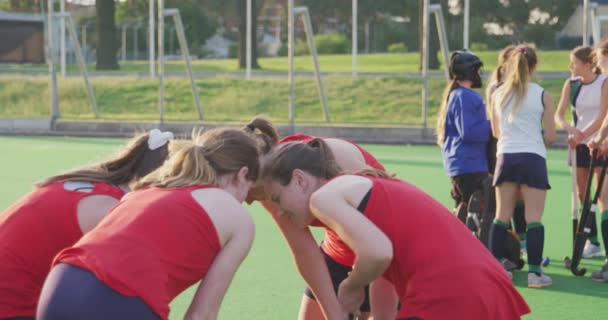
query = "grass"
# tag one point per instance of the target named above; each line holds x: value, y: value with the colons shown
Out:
x: 381, y: 62
x: 268, y: 287
x: 388, y: 100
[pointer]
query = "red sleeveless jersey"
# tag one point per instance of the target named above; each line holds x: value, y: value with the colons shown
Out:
x: 32, y: 231
x: 332, y: 245
x: 439, y: 269
x: 154, y: 244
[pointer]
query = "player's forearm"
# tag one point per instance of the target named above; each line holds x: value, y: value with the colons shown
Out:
x: 368, y: 268
x: 314, y: 271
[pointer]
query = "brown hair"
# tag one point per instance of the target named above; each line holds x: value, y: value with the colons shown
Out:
x: 585, y: 54
x: 133, y: 162
x: 603, y: 46
x: 314, y: 157
x: 264, y: 132
x: 205, y: 159
x: 499, y: 73
x: 443, y: 111
x: 521, y: 62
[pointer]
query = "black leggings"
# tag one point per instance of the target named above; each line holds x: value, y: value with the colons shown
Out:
x: 72, y: 293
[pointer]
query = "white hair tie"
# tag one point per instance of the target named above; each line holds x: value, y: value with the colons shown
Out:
x: 157, y: 138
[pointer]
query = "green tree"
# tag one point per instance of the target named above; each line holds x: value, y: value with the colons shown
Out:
x: 526, y: 20
x: 231, y: 13
x: 198, y: 27
x: 106, y: 35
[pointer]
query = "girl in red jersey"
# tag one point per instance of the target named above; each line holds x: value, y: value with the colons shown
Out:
x: 58, y: 212
x: 443, y: 274
x: 335, y: 257
x: 183, y: 223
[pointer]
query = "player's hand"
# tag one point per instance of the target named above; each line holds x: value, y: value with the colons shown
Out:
x: 597, y: 145
x: 351, y: 298
x: 575, y: 137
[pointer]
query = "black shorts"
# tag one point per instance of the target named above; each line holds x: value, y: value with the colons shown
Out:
x: 338, y: 272
x: 464, y: 185
x: 583, y: 157
x: 522, y: 168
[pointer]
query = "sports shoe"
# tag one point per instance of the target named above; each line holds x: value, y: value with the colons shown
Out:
x: 536, y: 281
x: 601, y: 275
x: 508, y: 264
x: 591, y: 250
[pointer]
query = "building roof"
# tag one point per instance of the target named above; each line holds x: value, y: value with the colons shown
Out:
x: 13, y: 16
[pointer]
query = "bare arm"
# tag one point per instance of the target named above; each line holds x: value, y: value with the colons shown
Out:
x: 237, y: 236
x: 562, y: 107
x: 494, y: 120
x: 335, y: 205
x: 549, y: 134
x: 597, y: 123
x: 603, y: 129
x: 309, y: 262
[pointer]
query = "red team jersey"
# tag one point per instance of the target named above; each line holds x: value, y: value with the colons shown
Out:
x: 154, y: 244
x: 332, y: 245
x: 32, y: 232
x: 439, y: 269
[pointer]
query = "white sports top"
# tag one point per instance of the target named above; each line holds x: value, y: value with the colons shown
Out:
x: 522, y: 133
x: 587, y: 104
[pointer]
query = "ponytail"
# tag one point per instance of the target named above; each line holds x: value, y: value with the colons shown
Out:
x: 264, y: 132
x: 443, y: 111
x: 522, y: 61
x: 205, y: 159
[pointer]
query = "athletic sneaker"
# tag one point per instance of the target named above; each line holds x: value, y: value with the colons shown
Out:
x: 536, y: 281
x: 601, y: 275
x: 591, y: 250
x: 508, y: 264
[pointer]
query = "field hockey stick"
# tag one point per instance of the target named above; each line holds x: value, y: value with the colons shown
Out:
x: 583, y: 231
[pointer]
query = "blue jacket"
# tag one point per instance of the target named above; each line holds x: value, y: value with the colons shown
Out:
x: 467, y: 132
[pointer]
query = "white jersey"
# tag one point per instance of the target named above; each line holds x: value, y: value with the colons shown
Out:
x: 522, y: 131
x: 587, y: 104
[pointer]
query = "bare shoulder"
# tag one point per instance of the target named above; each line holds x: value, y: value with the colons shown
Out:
x: 348, y: 156
x: 352, y: 187
x: 226, y: 213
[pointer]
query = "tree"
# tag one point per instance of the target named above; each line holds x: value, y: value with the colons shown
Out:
x: 198, y: 26
x: 242, y: 35
x: 234, y: 13
x: 106, y: 36
x: 521, y: 20
x: 21, y: 5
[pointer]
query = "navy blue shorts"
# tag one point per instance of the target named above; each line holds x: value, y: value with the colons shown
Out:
x: 583, y: 157
x: 72, y: 293
x: 522, y: 168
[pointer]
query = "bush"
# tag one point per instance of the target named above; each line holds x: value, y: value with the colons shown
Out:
x: 398, y: 47
x: 326, y: 44
x: 333, y: 43
x: 233, y: 51
x: 479, y: 46
x: 282, y: 50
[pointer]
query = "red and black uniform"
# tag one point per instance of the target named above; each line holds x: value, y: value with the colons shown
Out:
x: 338, y: 256
x: 439, y: 269
x: 153, y: 245
x: 32, y: 232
